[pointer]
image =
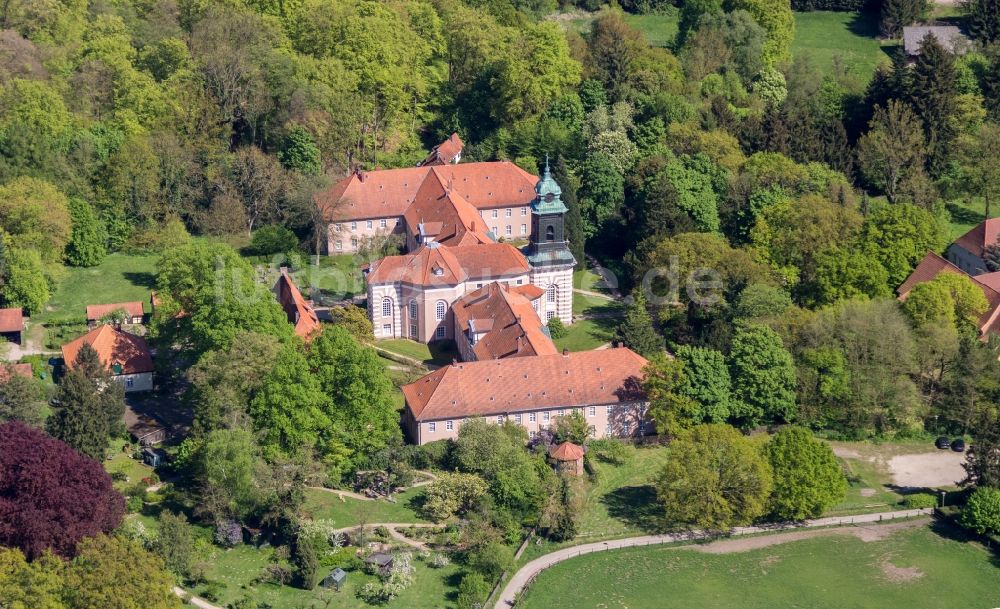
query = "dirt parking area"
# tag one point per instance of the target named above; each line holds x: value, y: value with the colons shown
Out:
x: 931, y: 469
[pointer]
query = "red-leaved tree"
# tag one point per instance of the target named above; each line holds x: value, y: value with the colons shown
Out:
x: 51, y: 497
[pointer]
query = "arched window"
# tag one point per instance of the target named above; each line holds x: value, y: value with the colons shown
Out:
x: 386, y: 307
x: 550, y: 293
x: 413, y: 310
x: 439, y: 309
x: 550, y: 233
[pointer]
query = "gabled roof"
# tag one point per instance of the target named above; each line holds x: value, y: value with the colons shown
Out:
x: 113, y: 346
x: 388, y: 192
x: 298, y: 310
x: 948, y: 36
x: 567, y: 451
x: 985, y: 234
x: 517, y: 384
x: 434, y: 265
x: 11, y: 320
x: 440, y: 212
x: 96, y: 312
x: 933, y: 265
x: 505, y: 321
x: 448, y: 151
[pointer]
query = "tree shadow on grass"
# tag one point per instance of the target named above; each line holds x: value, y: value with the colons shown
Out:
x: 946, y: 528
x: 142, y: 280
x: 636, y: 506
x: 864, y: 24
x: 963, y: 215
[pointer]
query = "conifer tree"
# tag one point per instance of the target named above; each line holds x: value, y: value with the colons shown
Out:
x: 982, y: 18
x: 81, y: 421
x: 636, y: 330
x: 933, y: 92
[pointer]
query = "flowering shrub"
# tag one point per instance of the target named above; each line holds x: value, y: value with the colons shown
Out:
x: 228, y: 533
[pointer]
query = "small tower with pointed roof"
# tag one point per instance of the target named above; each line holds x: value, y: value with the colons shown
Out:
x: 548, y: 252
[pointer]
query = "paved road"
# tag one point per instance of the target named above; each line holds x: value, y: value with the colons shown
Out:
x: 528, y: 572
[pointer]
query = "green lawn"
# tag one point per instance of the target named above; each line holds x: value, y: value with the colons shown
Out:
x: 851, y: 38
x: 909, y: 568
x: 964, y: 215
x: 346, y: 512
x: 439, y: 353
x: 134, y: 470
x: 659, y: 29
x: 587, y: 279
x: 120, y: 278
x: 584, y: 304
x: 337, y: 276
x: 587, y: 334
x: 236, y: 572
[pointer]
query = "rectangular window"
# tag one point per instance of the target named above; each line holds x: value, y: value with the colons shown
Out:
x: 560, y: 412
x: 354, y: 226
x: 382, y: 223
x: 369, y: 223
x: 592, y: 431
x: 610, y: 409
x: 507, y: 212
x: 129, y: 381
x: 439, y: 332
x: 520, y: 281
x: 354, y: 242
x: 532, y: 434
x: 413, y: 331
x: 545, y: 416
x: 549, y: 315
x: 339, y: 245
x: 531, y: 417
x: 387, y: 329
x: 432, y: 427
x: 524, y: 211
x: 450, y: 425
x: 479, y: 285
x: 517, y: 418
x: 509, y: 230
x: 607, y: 429
x: 592, y: 411
x: 524, y: 229
x: 499, y: 419
x: 337, y: 227
x: 626, y: 427
x: 494, y: 214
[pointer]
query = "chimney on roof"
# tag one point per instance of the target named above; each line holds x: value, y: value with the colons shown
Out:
x: 565, y: 352
x: 361, y: 175
x: 454, y: 361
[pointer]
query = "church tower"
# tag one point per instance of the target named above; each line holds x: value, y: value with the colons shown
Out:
x: 548, y: 252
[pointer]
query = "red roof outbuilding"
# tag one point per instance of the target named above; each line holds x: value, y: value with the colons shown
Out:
x: 11, y: 320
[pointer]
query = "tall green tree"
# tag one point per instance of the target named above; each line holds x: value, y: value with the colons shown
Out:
x: 715, y: 479
x: 707, y: 382
x: 636, y: 330
x: 933, y: 95
x: 982, y: 17
x: 807, y: 477
x: 893, y: 151
x: 90, y: 409
x: 24, y: 284
x: 88, y: 241
x: 763, y: 376
x: 664, y: 382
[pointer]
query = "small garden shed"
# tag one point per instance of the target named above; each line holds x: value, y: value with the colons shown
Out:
x: 335, y: 579
x: 380, y: 563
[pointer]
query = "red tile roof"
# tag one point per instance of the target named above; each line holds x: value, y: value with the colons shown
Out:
x: 985, y: 233
x: 112, y: 346
x: 932, y: 265
x: 96, y: 312
x: 517, y: 384
x: 437, y: 265
x: 388, y: 192
x: 9, y: 370
x: 298, y: 310
x: 445, y: 152
x: 511, y: 325
x: 567, y: 451
x: 11, y: 320
x: 445, y: 215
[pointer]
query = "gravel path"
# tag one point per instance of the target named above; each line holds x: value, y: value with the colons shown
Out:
x: 526, y: 574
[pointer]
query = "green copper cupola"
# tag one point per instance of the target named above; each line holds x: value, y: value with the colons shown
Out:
x: 547, y: 246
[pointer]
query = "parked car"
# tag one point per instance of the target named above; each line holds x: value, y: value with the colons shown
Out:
x: 943, y: 442
x: 958, y: 445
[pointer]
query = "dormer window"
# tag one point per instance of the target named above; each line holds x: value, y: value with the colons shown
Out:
x: 438, y: 271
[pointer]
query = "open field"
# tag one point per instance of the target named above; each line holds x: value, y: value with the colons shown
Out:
x: 120, y: 278
x: 849, y: 38
x: 910, y: 567
x: 346, y: 512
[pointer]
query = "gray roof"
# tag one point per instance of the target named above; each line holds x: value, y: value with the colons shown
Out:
x: 948, y: 36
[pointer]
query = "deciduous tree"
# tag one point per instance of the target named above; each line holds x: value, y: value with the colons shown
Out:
x: 763, y: 376
x: 807, y: 477
x: 50, y: 496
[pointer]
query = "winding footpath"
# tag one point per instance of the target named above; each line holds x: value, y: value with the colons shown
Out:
x: 526, y: 574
